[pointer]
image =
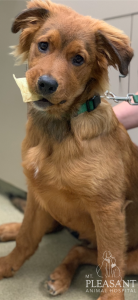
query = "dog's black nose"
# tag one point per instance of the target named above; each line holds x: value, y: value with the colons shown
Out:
x: 47, y: 85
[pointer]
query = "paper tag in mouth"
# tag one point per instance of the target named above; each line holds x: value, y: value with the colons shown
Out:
x: 24, y: 88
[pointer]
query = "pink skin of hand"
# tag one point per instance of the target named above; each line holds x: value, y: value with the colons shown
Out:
x: 127, y: 114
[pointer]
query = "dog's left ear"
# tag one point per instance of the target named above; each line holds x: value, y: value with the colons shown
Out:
x: 115, y: 46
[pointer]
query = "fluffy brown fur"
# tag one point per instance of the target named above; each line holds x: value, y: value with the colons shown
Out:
x: 81, y: 170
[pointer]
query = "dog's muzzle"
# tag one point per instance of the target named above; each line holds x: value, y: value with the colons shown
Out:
x: 46, y: 86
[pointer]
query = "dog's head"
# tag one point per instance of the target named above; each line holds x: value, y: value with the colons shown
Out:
x: 68, y: 54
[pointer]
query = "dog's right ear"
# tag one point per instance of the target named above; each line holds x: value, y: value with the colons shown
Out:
x: 29, y: 21
x: 29, y: 17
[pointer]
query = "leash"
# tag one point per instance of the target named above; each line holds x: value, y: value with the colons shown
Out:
x: 110, y: 96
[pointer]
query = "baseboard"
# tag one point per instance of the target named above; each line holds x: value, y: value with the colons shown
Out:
x: 9, y: 189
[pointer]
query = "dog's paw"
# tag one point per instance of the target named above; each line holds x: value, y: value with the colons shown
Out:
x: 8, y: 232
x: 59, y: 281
x: 5, y: 268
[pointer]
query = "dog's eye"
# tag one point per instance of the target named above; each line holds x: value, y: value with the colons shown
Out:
x: 43, y: 46
x: 78, y: 60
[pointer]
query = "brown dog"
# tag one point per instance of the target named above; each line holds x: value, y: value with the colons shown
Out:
x: 80, y: 164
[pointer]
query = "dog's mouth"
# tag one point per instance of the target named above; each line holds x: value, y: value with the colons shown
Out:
x: 43, y: 103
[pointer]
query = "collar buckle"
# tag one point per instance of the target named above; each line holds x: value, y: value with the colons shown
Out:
x: 92, y: 103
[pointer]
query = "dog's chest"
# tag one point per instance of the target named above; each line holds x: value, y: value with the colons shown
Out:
x: 60, y: 173
x: 59, y: 170
x: 65, y: 168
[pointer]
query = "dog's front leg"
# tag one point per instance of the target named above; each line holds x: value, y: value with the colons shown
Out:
x: 111, y: 242
x: 35, y: 224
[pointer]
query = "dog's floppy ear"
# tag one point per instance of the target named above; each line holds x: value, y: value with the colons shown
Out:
x: 29, y: 21
x: 29, y: 17
x: 115, y: 46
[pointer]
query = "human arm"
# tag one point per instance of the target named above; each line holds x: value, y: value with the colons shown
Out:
x: 127, y: 114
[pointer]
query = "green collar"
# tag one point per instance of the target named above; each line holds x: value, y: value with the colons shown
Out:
x: 90, y: 104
